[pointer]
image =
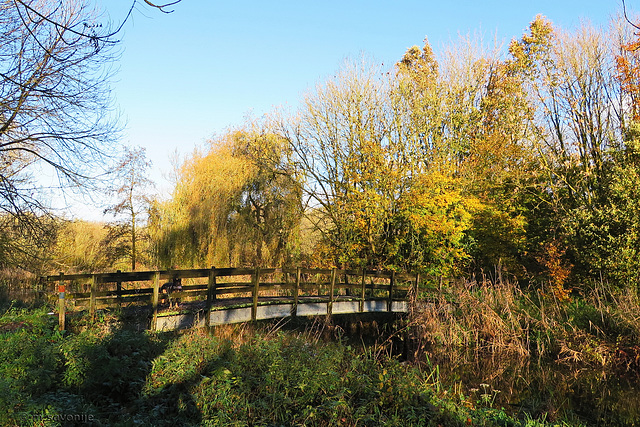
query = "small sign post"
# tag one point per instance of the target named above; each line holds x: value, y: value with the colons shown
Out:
x: 61, y: 307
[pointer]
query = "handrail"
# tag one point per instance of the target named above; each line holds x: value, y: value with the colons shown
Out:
x: 138, y: 276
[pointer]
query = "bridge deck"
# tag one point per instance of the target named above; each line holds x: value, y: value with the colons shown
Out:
x: 239, y: 310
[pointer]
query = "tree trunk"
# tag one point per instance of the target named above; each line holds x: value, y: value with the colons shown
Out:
x: 133, y: 240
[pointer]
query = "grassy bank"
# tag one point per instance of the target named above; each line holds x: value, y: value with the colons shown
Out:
x: 243, y: 375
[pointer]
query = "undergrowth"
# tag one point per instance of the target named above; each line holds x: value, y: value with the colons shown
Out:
x: 242, y: 375
x: 106, y: 374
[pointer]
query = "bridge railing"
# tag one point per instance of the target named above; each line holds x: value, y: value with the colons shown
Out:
x: 223, y: 287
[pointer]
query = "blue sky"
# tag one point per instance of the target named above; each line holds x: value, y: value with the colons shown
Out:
x: 190, y: 74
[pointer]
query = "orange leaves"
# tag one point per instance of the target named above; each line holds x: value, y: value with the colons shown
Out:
x: 628, y: 74
x: 558, y: 270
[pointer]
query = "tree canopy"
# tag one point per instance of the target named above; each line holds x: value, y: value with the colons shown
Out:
x: 470, y: 160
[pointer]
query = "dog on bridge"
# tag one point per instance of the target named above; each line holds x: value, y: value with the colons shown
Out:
x: 168, y: 288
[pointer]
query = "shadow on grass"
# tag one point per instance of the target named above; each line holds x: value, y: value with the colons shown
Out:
x: 108, y: 368
x: 95, y: 375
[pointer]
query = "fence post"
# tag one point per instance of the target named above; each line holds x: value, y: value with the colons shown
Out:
x: 332, y: 286
x: 391, y: 286
x: 362, y: 289
x: 155, y: 299
x: 119, y: 289
x: 347, y: 289
x: 296, y: 293
x: 211, y: 294
x: 256, y: 286
x: 92, y: 299
x: 61, y: 307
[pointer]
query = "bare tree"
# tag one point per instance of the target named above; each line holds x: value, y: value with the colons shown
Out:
x: 56, y: 112
x: 55, y: 104
x: 130, y: 189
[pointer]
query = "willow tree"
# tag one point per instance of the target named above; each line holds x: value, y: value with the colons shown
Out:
x: 237, y: 203
x: 267, y: 211
x: 189, y: 228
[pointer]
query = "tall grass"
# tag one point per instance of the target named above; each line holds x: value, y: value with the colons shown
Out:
x: 264, y: 374
x: 600, y: 327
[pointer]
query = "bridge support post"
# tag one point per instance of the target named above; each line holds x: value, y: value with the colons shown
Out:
x: 392, y: 282
x: 332, y: 287
x: 119, y: 290
x: 363, y: 285
x: 92, y: 300
x: 296, y: 293
x: 61, y: 305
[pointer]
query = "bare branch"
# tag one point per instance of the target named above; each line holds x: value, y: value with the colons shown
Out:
x: 56, y: 106
x: 106, y: 38
x: 624, y: 11
x: 161, y: 7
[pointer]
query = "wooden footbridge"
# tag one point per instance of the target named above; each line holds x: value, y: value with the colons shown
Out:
x: 231, y: 295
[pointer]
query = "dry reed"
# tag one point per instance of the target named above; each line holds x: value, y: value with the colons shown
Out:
x: 499, y: 319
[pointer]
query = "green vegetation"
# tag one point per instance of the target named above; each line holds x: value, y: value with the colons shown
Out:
x: 450, y: 164
x: 238, y: 376
x: 238, y: 204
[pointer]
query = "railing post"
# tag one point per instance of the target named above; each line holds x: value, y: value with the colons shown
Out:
x: 211, y: 294
x: 119, y: 289
x: 363, y: 285
x: 92, y: 299
x: 61, y: 305
x: 155, y: 299
x: 392, y: 281
x: 256, y: 287
x: 332, y: 286
x: 296, y: 293
x: 347, y: 289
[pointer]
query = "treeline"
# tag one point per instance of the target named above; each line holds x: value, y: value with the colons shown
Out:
x: 467, y: 161
x: 472, y: 160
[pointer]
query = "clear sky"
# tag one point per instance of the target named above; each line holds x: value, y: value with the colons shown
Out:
x: 190, y: 74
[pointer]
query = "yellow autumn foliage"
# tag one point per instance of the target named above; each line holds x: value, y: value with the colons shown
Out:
x: 233, y: 205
